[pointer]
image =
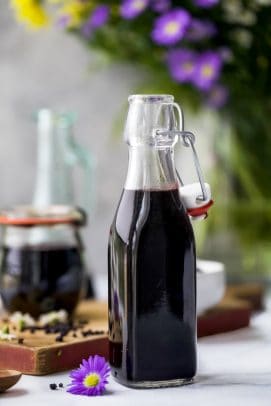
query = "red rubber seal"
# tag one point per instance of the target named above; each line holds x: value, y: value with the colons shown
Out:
x: 200, y: 211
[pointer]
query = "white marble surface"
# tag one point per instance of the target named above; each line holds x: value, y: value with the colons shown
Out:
x: 234, y: 370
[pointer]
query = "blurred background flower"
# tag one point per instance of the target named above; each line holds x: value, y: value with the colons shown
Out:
x: 206, y: 3
x: 218, y: 96
x: 30, y: 13
x: 97, y: 19
x: 182, y: 64
x: 200, y: 30
x: 208, y: 70
x: 132, y: 8
x: 160, y: 5
x: 171, y: 27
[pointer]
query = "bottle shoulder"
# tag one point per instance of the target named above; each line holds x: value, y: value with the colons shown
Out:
x: 154, y: 210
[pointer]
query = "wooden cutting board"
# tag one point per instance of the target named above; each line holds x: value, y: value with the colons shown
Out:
x: 229, y: 315
x: 40, y: 354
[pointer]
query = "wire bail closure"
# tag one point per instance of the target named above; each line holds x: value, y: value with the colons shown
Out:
x: 188, y: 139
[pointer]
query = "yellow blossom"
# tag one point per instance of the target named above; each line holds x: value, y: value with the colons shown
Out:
x: 75, y: 10
x: 57, y: 1
x: 30, y: 13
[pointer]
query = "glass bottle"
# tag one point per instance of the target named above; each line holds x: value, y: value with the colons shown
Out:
x: 58, y: 155
x: 151, y: 254
x: 65, y: 169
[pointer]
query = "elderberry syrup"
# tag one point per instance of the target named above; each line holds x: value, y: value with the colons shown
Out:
x: 40, y: 279
x: 151, y: 260
x: 152, y: 251
x: 41, y: 259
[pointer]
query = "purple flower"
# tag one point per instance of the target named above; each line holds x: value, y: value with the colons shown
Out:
x: 207, y: 70
x: 132, y: 8
x: 200, y: 29
x: 63, y: 21
x: 160, y: 6
x: 226, y: 54
x: 171, y: 27
x: 182, y: 64
x: 206, y: 3
x: 90, y: 378
x: 99, y: 16
x: 218, y: 96
x: 97, y: 19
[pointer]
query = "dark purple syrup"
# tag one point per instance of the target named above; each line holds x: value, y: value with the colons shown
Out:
x: 41, y: 279
x: 152, y: 289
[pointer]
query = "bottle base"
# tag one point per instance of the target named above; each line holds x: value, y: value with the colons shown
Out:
x: 156, y: 384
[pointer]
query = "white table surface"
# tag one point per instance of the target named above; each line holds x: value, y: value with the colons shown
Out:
x: 234, y: 370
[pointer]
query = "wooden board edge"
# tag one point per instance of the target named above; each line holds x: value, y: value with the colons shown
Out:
x: 65, y: 357
x: 13, y: 355
x: 223, y: 322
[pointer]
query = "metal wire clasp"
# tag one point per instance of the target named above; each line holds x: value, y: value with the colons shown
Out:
x: 188, y: 139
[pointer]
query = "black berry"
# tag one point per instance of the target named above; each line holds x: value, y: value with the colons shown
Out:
x: 53, y: 386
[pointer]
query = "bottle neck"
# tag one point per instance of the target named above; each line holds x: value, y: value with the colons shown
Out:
x: 53, y: 177
x: 151, y: 168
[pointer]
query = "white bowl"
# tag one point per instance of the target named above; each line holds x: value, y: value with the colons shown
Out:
x: 211, y: 284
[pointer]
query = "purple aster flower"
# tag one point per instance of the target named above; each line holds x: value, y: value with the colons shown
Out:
x: 171, y: 27
x: 90, y: 378
x: 200, y: 29
x: 132, y: 8
x: 206, y: 3
x: 226, y: 54
x: 207, y: 70
x: 160, y: 6
x: 97, y: 19
x: 218, y: 96
x: 99, y: 16
x: 182, y: 64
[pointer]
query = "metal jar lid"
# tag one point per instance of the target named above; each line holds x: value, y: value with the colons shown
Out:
x: 34, y: 216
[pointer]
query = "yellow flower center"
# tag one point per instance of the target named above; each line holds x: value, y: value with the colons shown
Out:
x: 207, y: 71
x: 139, y: 4
x: 91, y: 380
x: 188, y: 66
x: 172, y: 28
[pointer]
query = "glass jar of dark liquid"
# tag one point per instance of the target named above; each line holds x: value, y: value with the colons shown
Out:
x: 151, y: 257
x: 41, y: 266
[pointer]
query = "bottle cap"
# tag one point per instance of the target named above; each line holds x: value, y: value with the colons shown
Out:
x: 191, y: 196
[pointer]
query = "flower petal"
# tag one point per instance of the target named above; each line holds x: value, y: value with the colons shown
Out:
x: 94, y: 365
